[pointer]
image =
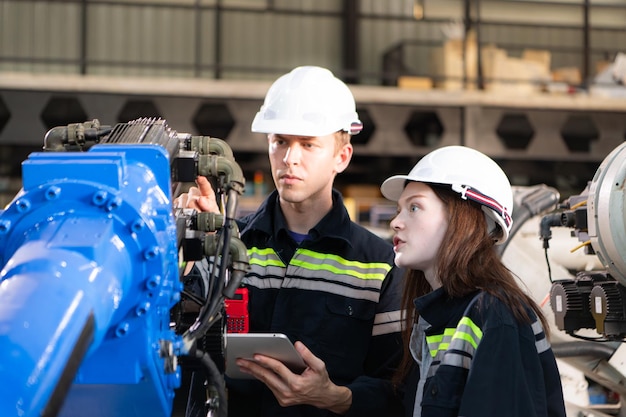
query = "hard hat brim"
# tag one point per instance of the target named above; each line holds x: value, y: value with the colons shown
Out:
x: 283, y: 127
x: 392, y: 187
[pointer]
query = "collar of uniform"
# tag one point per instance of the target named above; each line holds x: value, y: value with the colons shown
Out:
x: 438, y: 308
x: 337, y: 222
x: 262, y: 218
x: 270, y: 220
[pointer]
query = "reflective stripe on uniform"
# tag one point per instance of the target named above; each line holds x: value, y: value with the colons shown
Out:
x: 455, y: 346
x: 265, y: 257
x: 267, y: 270
x: 388, y: 322
x: 309, y: 270
x: 541, y: 342
x: 334, y: 264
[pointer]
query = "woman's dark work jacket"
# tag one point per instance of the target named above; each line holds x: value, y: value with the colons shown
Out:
x: 338, y: 292
x: 483, y: 362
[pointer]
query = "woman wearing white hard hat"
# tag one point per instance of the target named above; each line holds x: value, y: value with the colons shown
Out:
x: 478, y: 339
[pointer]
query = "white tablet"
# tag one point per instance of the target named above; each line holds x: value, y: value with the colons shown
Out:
x: 274, y: 345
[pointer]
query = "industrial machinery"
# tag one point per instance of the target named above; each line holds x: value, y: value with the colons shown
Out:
x: 584, y: 292
x: 95, y: 316
x: 594, y: 299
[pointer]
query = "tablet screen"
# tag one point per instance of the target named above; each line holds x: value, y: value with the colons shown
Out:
x: 274, y: 345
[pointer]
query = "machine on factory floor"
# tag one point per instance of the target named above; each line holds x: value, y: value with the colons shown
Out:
x: 95, y: 316
x: 582, y: 280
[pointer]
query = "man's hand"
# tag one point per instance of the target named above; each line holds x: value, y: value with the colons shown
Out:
x: 200, y: 198
x: 312, y: 387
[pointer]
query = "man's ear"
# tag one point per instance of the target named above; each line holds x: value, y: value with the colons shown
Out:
x: 343, y: 157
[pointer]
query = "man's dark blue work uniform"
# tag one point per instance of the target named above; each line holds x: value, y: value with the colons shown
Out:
x: 338, y: 292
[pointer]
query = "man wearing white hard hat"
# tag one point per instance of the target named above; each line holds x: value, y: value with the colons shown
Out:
x: 327, y: 283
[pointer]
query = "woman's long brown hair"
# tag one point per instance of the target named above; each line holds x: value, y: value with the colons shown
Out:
x: 467, y: 261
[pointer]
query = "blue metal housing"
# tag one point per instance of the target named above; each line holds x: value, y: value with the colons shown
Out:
x: 89, y: 274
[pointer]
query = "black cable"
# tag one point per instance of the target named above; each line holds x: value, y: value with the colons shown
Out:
x: 211, y: 311
x: 193, y: 297
x: 217, y: 400
x: 592, y: 339
x: 218, y: 295
x: 216, y: 273
x: 548, y: 264
x: 547, y: 221
x: 208, y: 314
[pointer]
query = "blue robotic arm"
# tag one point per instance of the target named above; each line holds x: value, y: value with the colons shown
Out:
x: 89, y: 251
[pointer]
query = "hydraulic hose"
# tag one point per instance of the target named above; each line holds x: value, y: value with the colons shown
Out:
x: 216, y: 381
x: 582, y: 348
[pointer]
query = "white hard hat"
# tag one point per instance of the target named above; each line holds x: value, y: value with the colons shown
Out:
x: 470, y: 173
x: 308, y: 101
